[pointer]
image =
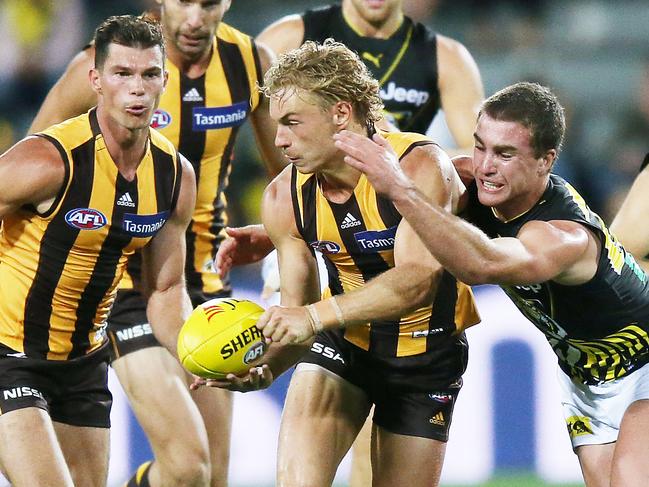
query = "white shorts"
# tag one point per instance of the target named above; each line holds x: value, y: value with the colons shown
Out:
x: 593, y: 413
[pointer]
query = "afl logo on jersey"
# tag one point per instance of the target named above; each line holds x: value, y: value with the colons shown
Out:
x: 85, y: 219
x: 325, y: 246
x: 160, y: 119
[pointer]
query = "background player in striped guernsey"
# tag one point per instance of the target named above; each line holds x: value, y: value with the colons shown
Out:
x: 213, y: 71
x: 535, y: 236
x: 403, y: 349
x: 419, y: 73
x: 63, y: 249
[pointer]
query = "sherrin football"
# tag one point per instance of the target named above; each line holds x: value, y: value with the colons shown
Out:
x: 220, y: 337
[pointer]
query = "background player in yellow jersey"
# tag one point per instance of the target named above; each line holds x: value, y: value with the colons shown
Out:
x: 64, y: 245
x: 401, y: 348
x: 213, y: 73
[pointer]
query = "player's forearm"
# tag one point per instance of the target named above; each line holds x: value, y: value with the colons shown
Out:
x: 463, y: 249
x: 167, y: 310
x: 389, y: 296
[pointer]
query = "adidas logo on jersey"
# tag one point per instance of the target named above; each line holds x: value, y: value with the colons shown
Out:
x: 192, y: 95
x: 438, y: 419
x: 125, y: 200
x: 349, y: 221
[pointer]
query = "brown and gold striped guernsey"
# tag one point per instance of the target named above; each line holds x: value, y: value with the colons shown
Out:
x: 357, y: 242
x: 201, y: 117
x: 59, y: 270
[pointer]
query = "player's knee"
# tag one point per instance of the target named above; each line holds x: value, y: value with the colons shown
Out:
x: 186, y: 466
x: 194, y: 473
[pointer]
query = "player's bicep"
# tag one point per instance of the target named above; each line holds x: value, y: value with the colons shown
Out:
x: 298, y: 271
x: 629, y: 224
x: 461, y: 89
x: 546, y: 251
x: 165, y: 254
x: 72, y: 94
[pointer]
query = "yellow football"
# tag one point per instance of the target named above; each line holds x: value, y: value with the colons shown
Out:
x: 220, y: 338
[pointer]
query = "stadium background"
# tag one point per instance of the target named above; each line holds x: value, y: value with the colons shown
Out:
x: 595, y: 54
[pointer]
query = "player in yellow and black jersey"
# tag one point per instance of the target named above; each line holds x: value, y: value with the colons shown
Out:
x: 535, y: 236
x: 357, y: 240
x: 212, y: 90
x: 65, y: 241
x: 400, y: 344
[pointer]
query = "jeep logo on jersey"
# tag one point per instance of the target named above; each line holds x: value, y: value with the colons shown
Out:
x: 408, y: 95
x: 85, y: 219
x: 160, y: 119
x: 210, y: 118
x: 144, y: 225
x: 371, y: 241
x: 325, y: 246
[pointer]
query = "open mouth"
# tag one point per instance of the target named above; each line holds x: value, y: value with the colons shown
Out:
x: 490, y: 186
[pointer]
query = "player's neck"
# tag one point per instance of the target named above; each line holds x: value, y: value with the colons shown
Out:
x: 362, y: 27
x: 338, y: 182
x: 192, y: 67
x: 126, y: 147
x: 517, y: 207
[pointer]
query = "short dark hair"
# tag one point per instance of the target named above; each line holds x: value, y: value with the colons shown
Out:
x: 126, y: 30
x: 533, y: 106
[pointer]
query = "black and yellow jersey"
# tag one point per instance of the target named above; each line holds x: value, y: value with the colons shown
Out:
x: 599, y: 329
x: 201, y: 116
x: 356, y: 239
x: 405, y: 64
x: 59, y: 270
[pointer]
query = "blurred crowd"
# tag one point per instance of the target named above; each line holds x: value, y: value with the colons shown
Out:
x: 595, y: 54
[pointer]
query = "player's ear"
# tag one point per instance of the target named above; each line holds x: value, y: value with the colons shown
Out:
x: 342, y: 114
x: 95, y: 80
x: 547, y: 162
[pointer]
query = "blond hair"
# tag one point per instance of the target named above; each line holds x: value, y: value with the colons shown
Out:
x: 332, y: 73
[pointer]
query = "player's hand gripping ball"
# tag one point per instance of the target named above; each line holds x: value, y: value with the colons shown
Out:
x: 220, y: 338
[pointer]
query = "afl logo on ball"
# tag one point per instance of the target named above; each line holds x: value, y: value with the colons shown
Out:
x: 160, y: 119
x: 85, y: 219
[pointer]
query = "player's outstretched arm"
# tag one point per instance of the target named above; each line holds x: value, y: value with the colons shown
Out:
x: 558, y: 250
x: 72, y: 94
x: 32, y: 173
x: 283, y: 35
x: 629, y: 224
x: 243, y: 245
x: 168, y: 304
x: 461, y: 91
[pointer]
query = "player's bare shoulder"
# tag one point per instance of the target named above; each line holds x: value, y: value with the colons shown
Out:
x: 432, y: 170
x: 277, y: 206
x: 284, y: 34
x: 32, y: 172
